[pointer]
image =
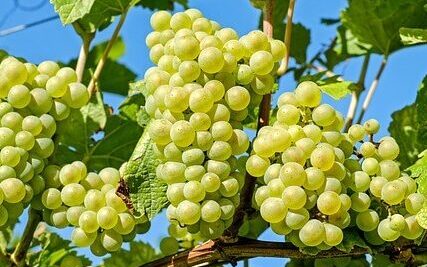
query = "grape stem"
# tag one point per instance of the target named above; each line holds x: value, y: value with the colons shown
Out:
x: 248, y: 189
x: 20, y: 252
x: 84, y: 52
x: 355, y: 95
x: 218, y: 251
x: 92, y: 85
x: 288, y: 37
x: 372, y: 89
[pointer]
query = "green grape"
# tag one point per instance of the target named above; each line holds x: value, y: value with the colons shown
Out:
x: 12, y: 120
x: 308, y: 94
x: 367, y: 220
x: 221, y: 131
x: 159, y: 21
x: 114, y: 201
x: 194, y: 191
x: 159, y: 131
x: 173, y: 172
x: 239, y: 142
x: 323, y: 115
x: 32, y: 124
x: 71, y: 260
x: 256, y: 165
x: 155, y: 79
x: 189, y: 70
x: 59, y: 110
x: 56, y: 86
x: 48, y: 67
x: 292, y: 173
x: 389, y: 169
x: 278, y: 49
x: 220, y: 151
x: 313, y: 233
x: 175, y: 193
x: 332, y: 184
x: 226, y: 34
x: 210, y: 41
x: 51, y: 174
x: 263, y: 146
x: 227, y: 208
x: 235, y: 48
x: 109, y: 176
x: 111, y: 240
x: 367, y: 149
x: 376, y: 185
x: 360, y: 181
x: 212, y: 230
x: 293, y: 154
x: 125, y: 223
x: 210, y: 211
x: 194, y: 172
x: 328, y: 202
x: 182, y: 133
x: 38, y: 184
x: 272, y: 172
x: 201, y: 100
x: 340, y: 219
x: 152, y: 39
x: 219, y: 112
x: 412, y: 229
x: 40, y: 80
x: 311, y: 199
x: 51, y: 198
x: 77, y: 95
x: 229, y: 187
x: 356, y: 132
x: 337, y: 171
x: 166, y: 63
x: 6, y: 172
x: 294, y: 197
x: 273, y: 210
x: 397, y: 222
x: 5, y: 108
x: 385, y: 232
x: 313, y: 132
x: 14, y: 70
x: 73, y: 194
x: 414, y: 203
x: 288, y: 114
x: 393, y: 192
x: 388, y: 149
x: 7, y: 137
x: 107, y: 217
x: 202, y: 25
x: 210, y: 182
x: 169, y: 246
x: 322, y: 158
x: 371, y: 126
x: 360, y: 202
x: 73, y: 214
x: 306, y: 145
x: 261, y: 194
x: 237, y: 98
x: 370, y: 166
x: 276, y: 188
x: 373, y: 238
x: 67, y: 74
x: 255, y: 41
x: 23, y: 139
x: 94, y: 200
x: 40, y: 102
x: 244, y: 74
x: 186, y: 47
x: 188, y: 212
x: 19, y: 96
x: 261, y: 62
x: 58, y: 217
x: 88, y: 221
x: 230, y: 64
x: 97, y: 248
x: 296, y: 219
x: 333, y: 235
x: 69, y: 174
x: 331, y: 137
x: 180, y: 20
x: 211, y: 60
x: 410, y: 184
x: 280, y: 228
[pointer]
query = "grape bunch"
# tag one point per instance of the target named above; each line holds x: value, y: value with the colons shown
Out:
x: 316, y: 181
x: 88, y: 202
x: 33, y: 99
x: 199, y: 92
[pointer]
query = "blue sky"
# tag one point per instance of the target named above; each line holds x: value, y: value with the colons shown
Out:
x: 53, y: 41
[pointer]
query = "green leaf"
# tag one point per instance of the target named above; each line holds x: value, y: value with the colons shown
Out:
x: 72, y: 10
x: 162, y: 4
x: 413, y: 36
x: 380, y: 260
x: 132, y: 109
x: 351, y: 240
x: 147, y: 192
x: 253, y: 227
x: 422, y: 218
x: 138, y: 254
x: 299, y: 42
x: 419, y: 171
x: 336, y: 89
x: 377, y: 22
x: 421, y: 103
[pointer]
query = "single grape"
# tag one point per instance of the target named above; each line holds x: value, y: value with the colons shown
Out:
x: 111, y: 240
x: 313, y: 233
x: 73, y: 194
x: 273, y: 210
x: 333, y: 234
x: 367, y: 220
x: 294, y: 197
x: 329, y: 202
x: 82, y: 239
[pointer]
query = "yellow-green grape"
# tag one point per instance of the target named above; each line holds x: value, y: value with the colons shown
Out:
x: 313, y: 233
x: 71, y: 260
x: 367, y: 220
x: 371, y: 126
x: 328, y: 203
x: 169, y: 246
x: 386, y: 232
x: 294, y: 197
x: 308, y: 94
x: 256, y: 165
x: 414, y: 203
x: 111, y: 240
x: 49, y: 68
x: 360, y: 202
x: 82, y: 239
x: 333, y: 234
x: 13, y: 190
x: 393, y: 192
x: 412, y: 229
x: 273, y: 210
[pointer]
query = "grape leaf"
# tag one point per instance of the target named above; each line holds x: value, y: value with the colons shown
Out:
x: 419, y: 171
x: 377, y: 22
x: 422, y: 218
x: 138, y: 254
x: 413, y: 36
x: 132, y: 108
x: 351, y: 239
x: 162, y: 4
x: 72, y: 10
x: 332, y: 86
x: 147, y: 192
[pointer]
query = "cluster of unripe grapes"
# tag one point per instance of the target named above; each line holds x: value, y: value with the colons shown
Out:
x: 88, y: 202
x: 316, y: 181
x: 33, y: 99
x: 199, y: 92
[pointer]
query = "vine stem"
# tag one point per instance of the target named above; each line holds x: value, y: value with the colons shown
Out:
x: 217, y: 251
x: 92, y: 85
x: 18, y: 255
x: 288, y: 37
x: 84, y: 52
x: 263, y: 119
x: 355, y: 95
x: 372, y: 89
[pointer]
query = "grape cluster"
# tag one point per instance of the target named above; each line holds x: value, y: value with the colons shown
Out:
x: 205, y: 81
x: 88, y: 202
x: 317, y: 181
x: 33, y: 99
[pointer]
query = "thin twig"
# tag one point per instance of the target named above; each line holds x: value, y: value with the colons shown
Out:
x: 355, y: 95
x: 84, y: 52
x: 22, y: 27
x: 91, y: 88
x: 263, y: 120
x: 372, y: 89
x: 217, y: 251
x: 18, y: 255
x: 288, y: 37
